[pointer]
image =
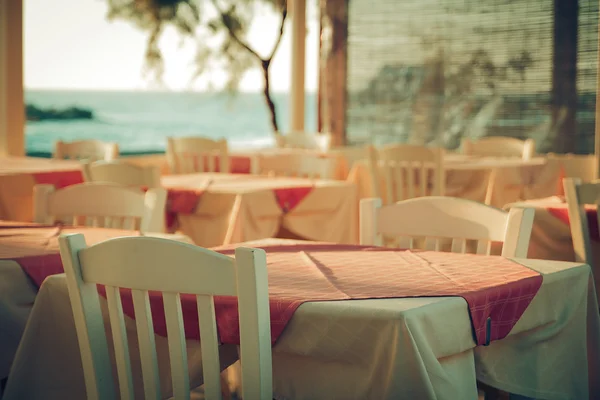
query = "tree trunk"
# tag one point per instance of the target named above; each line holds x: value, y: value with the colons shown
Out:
x: 564, y: 75
x: 267, y: 93
x: 333, y: 75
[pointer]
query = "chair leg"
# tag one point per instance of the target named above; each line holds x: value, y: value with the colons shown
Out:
x: 491, y: 393
x: 2, y: 386
x: 225, y: 389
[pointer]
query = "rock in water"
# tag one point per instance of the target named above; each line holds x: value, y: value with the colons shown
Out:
x: 72, y: 113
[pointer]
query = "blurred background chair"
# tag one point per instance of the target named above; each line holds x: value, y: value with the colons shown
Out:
x: 406, y: 171
x: 122, y: 173
x: 446, y: 223
x: 313, y: 166
x: 499, y: 146
x: 175, y: 268
x: 187, y: 155
x: 105, y: 205
x: 89, y: 150
x: 579, y: 195
x: 305, y: 140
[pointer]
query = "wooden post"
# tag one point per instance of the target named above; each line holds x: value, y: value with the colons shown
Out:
x: 297, y: 89
x: 12, y: 109
x: 597, y: 117
x: 333, y: 71
x: 564, y: 74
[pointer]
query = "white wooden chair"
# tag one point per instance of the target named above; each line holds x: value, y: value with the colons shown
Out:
x: 312, y: 166
x: 187, y: 155
x: 90, y: 150
x: 439, y: 220
x: 500, y: 146
x: 578, y: 195
x: 143, y: 264
x: 122, y: 173
x: 101, y: 204
x: 305, y: 140
x: 407, y: 171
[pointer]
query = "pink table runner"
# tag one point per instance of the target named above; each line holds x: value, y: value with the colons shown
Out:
x: 561, y: 212
x: 185, y: 201
x: 59, y: 179
x: 180, y: 201
x: 35, y: 247
x: 496, y: 289
x: 289, y: 198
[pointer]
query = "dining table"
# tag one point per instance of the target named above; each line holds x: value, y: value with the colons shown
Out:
x: 211, y: 208
x: 18, y: 176
x: 218, y: 208
x: 34, y: 243
x: 347, y: 322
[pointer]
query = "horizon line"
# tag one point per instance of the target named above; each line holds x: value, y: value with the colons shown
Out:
x: 258, y: 91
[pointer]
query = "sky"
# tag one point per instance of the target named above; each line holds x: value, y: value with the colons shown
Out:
x: 69, y: 44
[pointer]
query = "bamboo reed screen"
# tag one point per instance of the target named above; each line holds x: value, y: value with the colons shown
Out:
x: 435, y: 71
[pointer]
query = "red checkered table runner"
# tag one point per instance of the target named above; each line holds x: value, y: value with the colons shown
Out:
x: 496, y: 289
x: 59, y: 179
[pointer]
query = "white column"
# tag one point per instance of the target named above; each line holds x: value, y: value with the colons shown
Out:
x: 297, y: 89
x: 12, y: 114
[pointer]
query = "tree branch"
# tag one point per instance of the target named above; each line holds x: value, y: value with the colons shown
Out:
x: 233, y: 35
x: 284, y: 13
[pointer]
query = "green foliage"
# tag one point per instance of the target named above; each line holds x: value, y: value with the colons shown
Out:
x: 152, y: 16
x: 481, y: 70
x: 227, y: 21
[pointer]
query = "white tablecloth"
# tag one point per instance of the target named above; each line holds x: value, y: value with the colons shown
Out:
x: 419, y: 348
x: 239, y: 208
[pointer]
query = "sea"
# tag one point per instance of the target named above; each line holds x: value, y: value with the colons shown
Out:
x: 141, y: 121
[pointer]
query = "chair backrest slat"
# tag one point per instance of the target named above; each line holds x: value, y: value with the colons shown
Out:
x: 579, y: 195
x: 197, y: 154
x: 104, y: 205
x: 459, y: 245
x: 397, y: 180
x: 119, y: 336
x: 431, y: 244
x: 146, y: 343
x: 87, y: 313
x: 484, y: 247
x: 258, y: 380
x: 177, y: 348
x: 392, y: 174
x: 500, y: 146
x: 424, y: 179
x: 404, y: 242
x: 210, y: 348
x: 447, y: 224
x: 145, y: 264
x: 410, y: 172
